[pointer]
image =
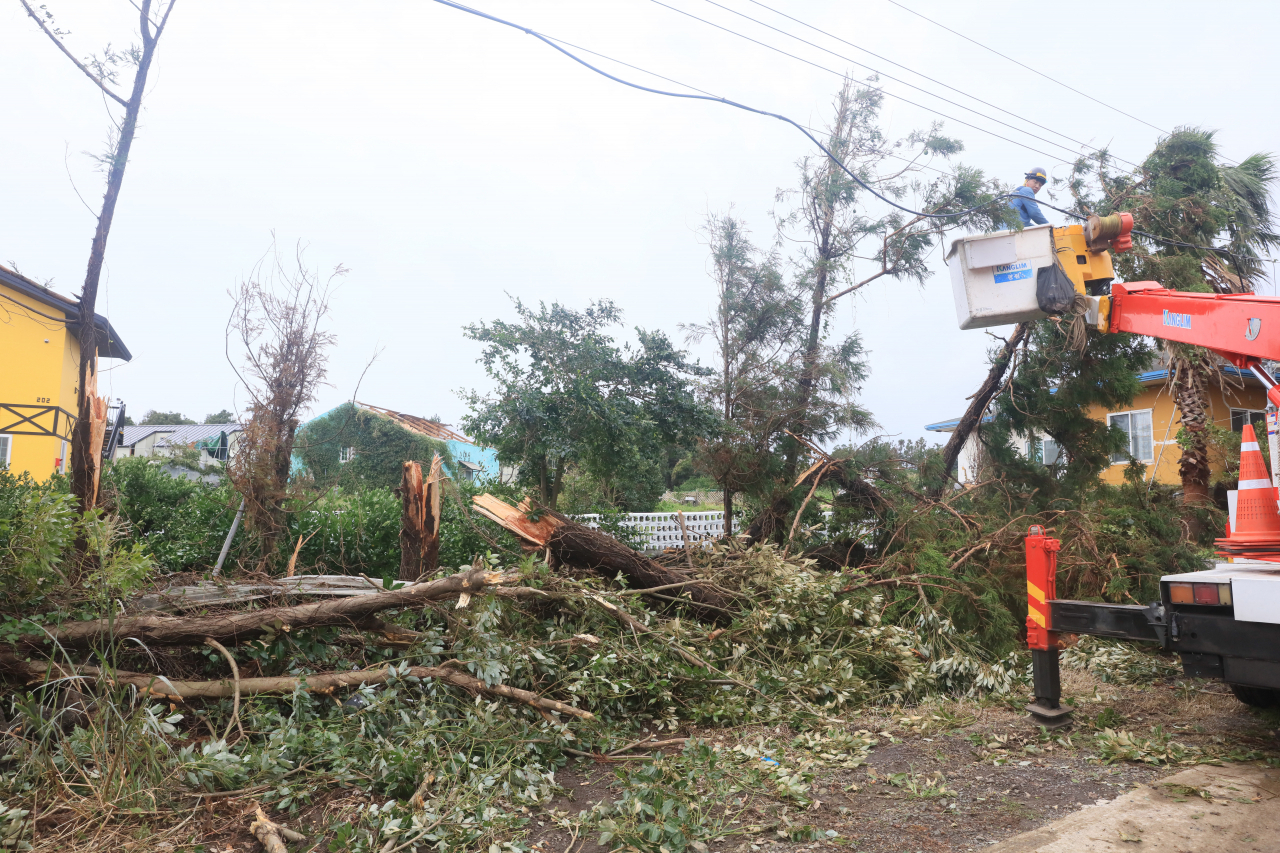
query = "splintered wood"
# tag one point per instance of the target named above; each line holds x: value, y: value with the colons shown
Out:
x: 516, y: 519
x: 420, y: 520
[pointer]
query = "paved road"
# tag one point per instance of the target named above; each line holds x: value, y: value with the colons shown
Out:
x: 1230, y: 809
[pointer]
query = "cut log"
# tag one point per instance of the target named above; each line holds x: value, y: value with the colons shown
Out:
x: 577, y: 545
x: 162, y: 630
x: 171, y: 689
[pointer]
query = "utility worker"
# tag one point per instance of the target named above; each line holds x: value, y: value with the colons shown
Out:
x: 1024, y: 200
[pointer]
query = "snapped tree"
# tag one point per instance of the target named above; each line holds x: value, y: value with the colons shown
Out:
x: 103, y: 70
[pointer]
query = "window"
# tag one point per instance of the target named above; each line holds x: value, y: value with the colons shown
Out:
x: 1137, y: 426
x: 1043, y: 450
x: 6, y: 450
x: 346, y: 454
x: 1240, y: 417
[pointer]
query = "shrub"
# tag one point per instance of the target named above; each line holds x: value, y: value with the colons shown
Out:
x: 182, y: 522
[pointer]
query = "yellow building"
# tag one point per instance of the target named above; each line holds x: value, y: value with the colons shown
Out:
x: 39, y: 361
x: 1152, y: 421
x: 1151, y: 424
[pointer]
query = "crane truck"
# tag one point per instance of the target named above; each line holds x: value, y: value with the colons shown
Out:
x: 1223, y: 622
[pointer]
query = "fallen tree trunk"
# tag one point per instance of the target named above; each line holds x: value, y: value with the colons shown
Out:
x: 163, y: 630
x: 574, y: 544
x: 166, y: 688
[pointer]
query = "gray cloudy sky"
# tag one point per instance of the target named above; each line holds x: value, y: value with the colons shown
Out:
x: 448, y: 161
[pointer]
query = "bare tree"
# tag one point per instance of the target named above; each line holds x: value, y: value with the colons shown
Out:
x: 104, y: 71
x: 276, y: 323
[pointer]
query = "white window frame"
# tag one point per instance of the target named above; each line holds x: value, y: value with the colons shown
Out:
x: 7, y: 456
x: 1149, y: 413
x: 346, y: 454
x: 1248, y: 416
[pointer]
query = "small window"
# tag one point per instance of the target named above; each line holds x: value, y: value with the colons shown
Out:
x: 6, y: 450
x: 1137, y: 426
x: 1240, y: 417
x: 1051, y: 451
x: 1042, y: 450
x: 346, y: 454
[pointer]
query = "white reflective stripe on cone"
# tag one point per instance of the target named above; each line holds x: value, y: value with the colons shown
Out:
x: 1249, y: 445
x: 1246, y: 485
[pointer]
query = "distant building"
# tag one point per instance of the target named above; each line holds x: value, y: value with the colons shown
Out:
x: 1151, y: 423
x: 216, y: 443
x: 473, y: 461
x: 39, y: 371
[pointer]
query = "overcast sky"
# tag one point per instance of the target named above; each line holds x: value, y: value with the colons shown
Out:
x: 448, y: 161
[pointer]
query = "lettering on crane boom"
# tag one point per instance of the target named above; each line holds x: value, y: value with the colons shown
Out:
x: 1015, y: 271
x: 1179, y: 321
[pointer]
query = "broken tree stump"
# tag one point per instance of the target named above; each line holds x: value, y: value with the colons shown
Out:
x: 420, y: 520
x: 577, y: 545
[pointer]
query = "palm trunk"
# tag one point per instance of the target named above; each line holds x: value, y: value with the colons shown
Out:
x: 1190, y: 395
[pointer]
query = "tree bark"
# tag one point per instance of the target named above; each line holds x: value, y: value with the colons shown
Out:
x: 973, y: 415
x: 163, y: 630
x: 84, y: 455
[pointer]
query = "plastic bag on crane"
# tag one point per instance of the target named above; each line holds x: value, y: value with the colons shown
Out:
x: 1054, y: 291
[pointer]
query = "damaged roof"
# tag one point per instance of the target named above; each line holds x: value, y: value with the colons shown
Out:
x: 422, y: 426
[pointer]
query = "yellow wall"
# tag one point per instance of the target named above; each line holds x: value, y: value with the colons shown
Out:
x: 38, y: 363
x: 1164, y: 425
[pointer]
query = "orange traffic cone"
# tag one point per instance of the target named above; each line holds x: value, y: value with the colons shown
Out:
x: 1256, y: 532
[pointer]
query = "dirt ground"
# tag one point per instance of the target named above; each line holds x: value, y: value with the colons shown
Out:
x: 982, y: 795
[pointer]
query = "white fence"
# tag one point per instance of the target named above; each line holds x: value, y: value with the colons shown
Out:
x: 659, y: 530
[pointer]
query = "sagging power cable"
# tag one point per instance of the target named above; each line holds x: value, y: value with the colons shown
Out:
x: 825, y: 150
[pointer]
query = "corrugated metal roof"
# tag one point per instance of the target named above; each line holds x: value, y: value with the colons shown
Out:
x: 185, y: 435
x: 175, y: 434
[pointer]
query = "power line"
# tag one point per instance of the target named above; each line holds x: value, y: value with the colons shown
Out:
x: 709, y: 94
x: 834, y: 159
x: 825, y: 150
x: 881, y: 90
x: 904, y: 82
x: 1028, y: 67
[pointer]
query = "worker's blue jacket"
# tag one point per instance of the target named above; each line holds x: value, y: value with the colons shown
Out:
x: 1025, y: 204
